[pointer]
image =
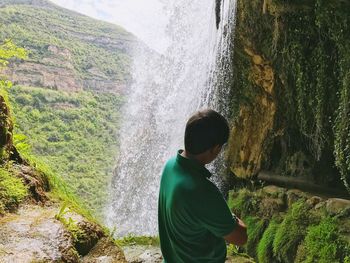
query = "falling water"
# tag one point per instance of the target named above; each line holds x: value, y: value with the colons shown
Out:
x: 167, y: 87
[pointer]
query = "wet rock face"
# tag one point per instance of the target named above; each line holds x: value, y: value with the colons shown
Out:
x: 255, y: 121
x: 34, y: 234
x: 37, y: 184
x: 143, y: 254
x: 105, y: 251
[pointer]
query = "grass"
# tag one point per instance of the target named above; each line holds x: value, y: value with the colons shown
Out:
x: 75, y: 134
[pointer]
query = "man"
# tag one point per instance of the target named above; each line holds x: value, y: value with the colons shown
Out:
x: 194, y: 219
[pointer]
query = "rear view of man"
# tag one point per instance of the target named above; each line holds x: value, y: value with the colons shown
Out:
x: 194, y: 219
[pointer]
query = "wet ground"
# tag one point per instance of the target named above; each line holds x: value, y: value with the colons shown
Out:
x: 152, y: 254
x: 32, y: 234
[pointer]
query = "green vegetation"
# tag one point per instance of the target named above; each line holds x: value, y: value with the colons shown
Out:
x: 244, y: 203
x: 323, y: 243
x: 59, y: 189
x: 92, y: 43
x: 265, y: 247
x: 74, y: 134
x: 7, y: 51
x: 256, y: 228
x: 291, y: 232
x: 12, y: 191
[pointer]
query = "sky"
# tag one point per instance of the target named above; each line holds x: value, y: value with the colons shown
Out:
x: 143, y: 18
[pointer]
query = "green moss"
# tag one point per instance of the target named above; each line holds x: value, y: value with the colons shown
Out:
x: 12, y: 191
x: 291, y: 232
x: 255, y: 230
x: 244, y: 203
x: 265, y: 246
x: 323, y: 243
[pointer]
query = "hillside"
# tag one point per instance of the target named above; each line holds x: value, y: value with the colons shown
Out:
x: 68, y: 91
x: 67, y: 51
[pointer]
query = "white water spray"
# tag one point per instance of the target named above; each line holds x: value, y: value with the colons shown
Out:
x: 167, y: 88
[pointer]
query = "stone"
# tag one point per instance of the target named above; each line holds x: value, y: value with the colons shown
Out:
x: 143, y: 254
x: 34, y: 235
x: 337, y: 205
x: 295, y: 195
x: 274, y: 190
x: 105, y: 251
x: 313, y: 201
x: 258, y: 60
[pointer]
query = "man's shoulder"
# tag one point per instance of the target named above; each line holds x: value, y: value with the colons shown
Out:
x: 169, y: 164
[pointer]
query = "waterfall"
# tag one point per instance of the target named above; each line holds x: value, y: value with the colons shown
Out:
x: 167, y: 88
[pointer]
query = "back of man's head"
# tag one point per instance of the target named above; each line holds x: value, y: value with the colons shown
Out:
x: 204, y: 130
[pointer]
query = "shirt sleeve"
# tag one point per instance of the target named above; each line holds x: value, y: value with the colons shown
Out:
x: 211, y: 211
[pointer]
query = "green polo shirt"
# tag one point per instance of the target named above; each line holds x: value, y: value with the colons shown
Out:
x: 193, y: 216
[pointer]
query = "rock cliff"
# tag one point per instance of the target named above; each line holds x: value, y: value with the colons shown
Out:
x: 290, y: 91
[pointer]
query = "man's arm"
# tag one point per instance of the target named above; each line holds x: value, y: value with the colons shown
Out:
x: 239, y: 235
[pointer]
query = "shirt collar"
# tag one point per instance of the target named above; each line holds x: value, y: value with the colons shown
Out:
x: 192, y: 164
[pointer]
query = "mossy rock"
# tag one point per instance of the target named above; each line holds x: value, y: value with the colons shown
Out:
x: 244, y: 202
x: 265, y: 246
x: 324, y: 244
x: 256, y: 228
x: 291, y: 232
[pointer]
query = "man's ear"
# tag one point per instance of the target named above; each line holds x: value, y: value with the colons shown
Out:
x: 216, y: 149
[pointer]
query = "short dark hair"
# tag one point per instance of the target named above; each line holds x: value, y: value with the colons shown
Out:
x: 205, y: 129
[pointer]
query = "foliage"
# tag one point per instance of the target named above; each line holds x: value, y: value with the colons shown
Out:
x: 323, y: 243
x: 7, y: 51
x: 12, y: 191
x: 70, y: 224
x: 291, y: 232
x: 74, y: 133
x: 264, y: 249
x: 92, y: 43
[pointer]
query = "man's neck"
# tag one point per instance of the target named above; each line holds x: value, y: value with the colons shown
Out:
x: 197, y: 158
